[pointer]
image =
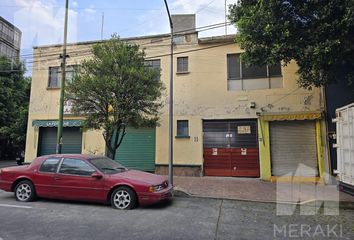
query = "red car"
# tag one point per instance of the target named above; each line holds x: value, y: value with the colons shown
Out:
x: 84, y: 178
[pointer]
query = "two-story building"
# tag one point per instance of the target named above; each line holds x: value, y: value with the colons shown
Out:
x: 229, y: 119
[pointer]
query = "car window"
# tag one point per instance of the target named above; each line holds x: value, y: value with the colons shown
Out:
x: 76, y: 167
x: 107, y: 165
x: 50, y: 165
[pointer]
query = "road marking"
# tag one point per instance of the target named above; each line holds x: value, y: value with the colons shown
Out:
x: 14, y: 206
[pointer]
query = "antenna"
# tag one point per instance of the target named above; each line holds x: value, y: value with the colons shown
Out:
x: 102, y: 26
x: 225, y: 18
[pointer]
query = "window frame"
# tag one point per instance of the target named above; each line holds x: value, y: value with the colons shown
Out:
x: 186, y: 64
x: 78, y: 175
x: 72, y: 70
x: 241, y: 73
x: 185, y: 131
x: 151, y: 66
x: 57, y: 167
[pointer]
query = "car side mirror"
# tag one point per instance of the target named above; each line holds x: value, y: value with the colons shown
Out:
x: 96, y: 175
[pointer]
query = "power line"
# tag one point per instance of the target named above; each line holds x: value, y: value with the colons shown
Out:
x: 198, y: 29
x: 80, y: 8
x: 204, y: 7
x: 152, y: 57
x: 89, y: 50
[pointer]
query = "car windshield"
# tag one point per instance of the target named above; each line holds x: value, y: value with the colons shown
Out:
x: 107, y: 165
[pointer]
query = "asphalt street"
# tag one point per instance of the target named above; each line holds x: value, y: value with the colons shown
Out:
x: 182, y: 218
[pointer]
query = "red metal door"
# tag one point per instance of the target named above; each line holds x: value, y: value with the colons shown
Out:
x: 217, y: 161
x: 231, y: 148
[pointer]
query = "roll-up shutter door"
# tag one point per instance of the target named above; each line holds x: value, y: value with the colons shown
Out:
x: 72, y: 140
x: 137, y: 150
x: 293, y: 148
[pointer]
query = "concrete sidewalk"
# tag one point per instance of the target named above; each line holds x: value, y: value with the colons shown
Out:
x: 7, y: 163
x: 252, y: 189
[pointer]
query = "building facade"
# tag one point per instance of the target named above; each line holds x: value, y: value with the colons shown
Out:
x: 10, y: 39
x: 229, y: 119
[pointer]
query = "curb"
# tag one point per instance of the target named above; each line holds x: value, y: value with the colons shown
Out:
x: 180, y: 192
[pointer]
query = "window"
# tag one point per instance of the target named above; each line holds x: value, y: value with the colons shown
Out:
x: 107, y: 165
x: 76, y: 167
x: 50, y: 165
x: 154, y: 64
x: 55, y: 75
x: 182, y: 128
x: 251, y: 77
x: 182, y: 64
x: 17, y: 39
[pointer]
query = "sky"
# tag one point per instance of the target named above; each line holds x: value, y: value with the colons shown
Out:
x: 42, y: 21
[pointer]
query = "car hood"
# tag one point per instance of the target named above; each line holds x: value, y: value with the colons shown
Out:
x: 148, y: 178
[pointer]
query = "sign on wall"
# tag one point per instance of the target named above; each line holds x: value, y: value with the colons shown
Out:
x: 243, y: 129
x: 68, y: 107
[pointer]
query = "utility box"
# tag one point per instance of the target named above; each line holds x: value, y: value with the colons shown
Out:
x: 345, y: 147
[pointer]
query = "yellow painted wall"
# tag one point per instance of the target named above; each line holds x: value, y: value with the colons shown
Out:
x: 200, y: 94
x: 264, y: 150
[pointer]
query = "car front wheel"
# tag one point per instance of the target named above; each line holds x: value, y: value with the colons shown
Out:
x: 123, y: 198
x: 24, y: 191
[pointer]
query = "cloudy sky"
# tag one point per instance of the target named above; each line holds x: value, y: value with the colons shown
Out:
x: 41, y: 21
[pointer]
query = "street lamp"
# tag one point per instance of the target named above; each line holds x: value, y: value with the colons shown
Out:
x: 170, y: 162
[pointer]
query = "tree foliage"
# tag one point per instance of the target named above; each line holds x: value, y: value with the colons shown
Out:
x: 114, y: 89
x: 14, y: 102
x: 317, y: 34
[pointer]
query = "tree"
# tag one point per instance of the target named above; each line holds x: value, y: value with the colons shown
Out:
x: 114, y: 89
x: 14, y: 102
x: 317, y: 34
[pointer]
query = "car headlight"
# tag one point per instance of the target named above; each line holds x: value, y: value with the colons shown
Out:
x: 160, y: 187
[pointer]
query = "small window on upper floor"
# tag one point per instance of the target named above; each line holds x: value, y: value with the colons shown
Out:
x: 55, y: 75
x: 182, y: 65
x: 242, y: 77
x: 154, y: 64
x: 182, y: 129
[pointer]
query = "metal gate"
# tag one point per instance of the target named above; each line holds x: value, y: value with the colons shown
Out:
x: 293, y: 148
x: 72, y: 140
x: 230, y: 148
x: 345, y: 145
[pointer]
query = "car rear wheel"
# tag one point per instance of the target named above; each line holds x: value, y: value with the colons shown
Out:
x: 123, y: 198
x: 24, y: 191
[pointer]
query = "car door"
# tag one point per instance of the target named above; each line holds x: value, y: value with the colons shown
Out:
x: 74, y: 181
x: 44, y: 178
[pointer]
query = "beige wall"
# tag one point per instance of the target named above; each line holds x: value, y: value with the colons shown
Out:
x: 200, y: 94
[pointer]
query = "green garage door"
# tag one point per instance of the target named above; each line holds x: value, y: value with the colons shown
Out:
x: 137, y: 150
x: 72, y: 140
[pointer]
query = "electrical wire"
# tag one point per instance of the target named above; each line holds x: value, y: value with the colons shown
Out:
x: 198, y: 29
x: 88, y: 51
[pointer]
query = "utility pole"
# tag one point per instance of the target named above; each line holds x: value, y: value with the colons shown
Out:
x: 170, y: 162
x: 62, y: 84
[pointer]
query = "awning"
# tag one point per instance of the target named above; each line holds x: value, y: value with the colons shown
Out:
x: 292, y: 116
x: 54, y: 123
